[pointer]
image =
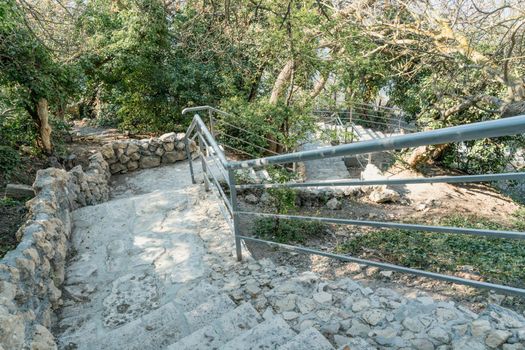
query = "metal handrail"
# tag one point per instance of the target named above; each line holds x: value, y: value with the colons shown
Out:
x: 496, y: 128
x: 474, y: 131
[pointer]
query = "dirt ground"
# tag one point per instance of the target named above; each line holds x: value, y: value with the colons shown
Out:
x: 11, y: 217
x: 420, y: 203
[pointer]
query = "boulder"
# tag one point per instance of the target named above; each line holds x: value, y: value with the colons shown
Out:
x: 384, y: 195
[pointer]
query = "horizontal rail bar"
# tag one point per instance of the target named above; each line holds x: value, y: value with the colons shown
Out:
x: 385, y: 224
x: 493, y: 128
x: 204, y: 108
x: 247, y: 142
x: 251, y: 133
x: 397, y: 268
x: 405, y: 181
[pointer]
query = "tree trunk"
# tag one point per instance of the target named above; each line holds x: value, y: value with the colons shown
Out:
x: 44, y: 129
x: 280, y: 83
x: 318, y: 87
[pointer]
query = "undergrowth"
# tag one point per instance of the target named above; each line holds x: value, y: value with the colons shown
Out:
x: 287, y: 231
x: 497, y: 260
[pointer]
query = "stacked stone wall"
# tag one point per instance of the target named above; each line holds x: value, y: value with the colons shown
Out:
x: 129, y: 155
x: 31, y: 275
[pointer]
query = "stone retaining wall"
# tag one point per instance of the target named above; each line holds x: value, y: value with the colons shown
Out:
x: 31, y: 276
x: 128, y: 155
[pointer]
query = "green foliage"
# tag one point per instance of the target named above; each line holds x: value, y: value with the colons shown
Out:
x: 483, y: 156
x: 9, y: 160
x: 28, y: 73
x: 497, y: 260
x: 288, y: 231
x: 9, y: 202
x: 260, y: 128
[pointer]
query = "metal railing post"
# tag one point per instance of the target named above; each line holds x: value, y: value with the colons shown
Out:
x: 188, y: 155
x: 235, y: 215
x: 203, y: 161
x: 212, y: 126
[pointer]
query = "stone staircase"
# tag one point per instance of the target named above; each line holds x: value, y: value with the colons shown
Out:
x: 139, y: 277
x: 154, y: 268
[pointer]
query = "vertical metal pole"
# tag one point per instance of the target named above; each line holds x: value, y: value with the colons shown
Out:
x: 212, y: 132
x: 233, y: 198
x: 203, y: 161
x: 188, y: 155
x: 210, y: 115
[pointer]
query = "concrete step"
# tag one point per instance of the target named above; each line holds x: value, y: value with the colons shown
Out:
x: 309, y: 339
x: 208, y: 311
x: 221, y: 330
x: 270, y: 334
x: 165, y: 325
x: 189, y: 297
x: 152, y: 331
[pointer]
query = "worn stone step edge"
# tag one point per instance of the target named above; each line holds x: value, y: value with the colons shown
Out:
x: 270, y: 334
x: 309, y: 339
x: 209, y: 311
x: 220, y: 331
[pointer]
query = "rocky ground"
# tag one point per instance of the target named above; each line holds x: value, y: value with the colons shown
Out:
x: 154, y: 268
x: 428, y: 204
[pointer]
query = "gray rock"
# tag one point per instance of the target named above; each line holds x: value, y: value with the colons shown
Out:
x: 422, y: 344
x: 290, y: 315
x: 360, y: 305
x: 251, y: 199
x: 322, y: 297
x: 266, y: 199
x: 384, y: 195
x: 132, y: 165
x: 160, y: 151
x: 117, y: 168
x: 132, y: 148
x: 107, y: 151
x: 123, y: 159
x: 467, y: 344
x: 496, y: 338
x: 480, y: 328
x: 358, y: 329
x: 305, y: 305
x: 168, y: 146
x: 413, y: 324
x: 149, y: 162
x: 439, y: 335
x: 373, y: 317
x: 334, y: 204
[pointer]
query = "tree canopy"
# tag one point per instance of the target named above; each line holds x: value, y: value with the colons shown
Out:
x: 136, y: 63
